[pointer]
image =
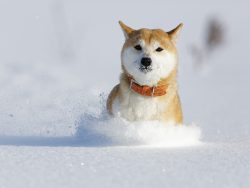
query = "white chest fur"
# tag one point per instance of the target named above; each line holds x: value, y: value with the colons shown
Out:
x: 133, y: 106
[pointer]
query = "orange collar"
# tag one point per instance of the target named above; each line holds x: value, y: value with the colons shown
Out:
x: 144, y: 90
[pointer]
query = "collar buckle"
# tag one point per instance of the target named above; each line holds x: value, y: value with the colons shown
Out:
x: 153, y: 91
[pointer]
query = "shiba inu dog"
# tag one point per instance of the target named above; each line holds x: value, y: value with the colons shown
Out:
x: 148, y: 87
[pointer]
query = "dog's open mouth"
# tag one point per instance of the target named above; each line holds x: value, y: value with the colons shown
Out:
x: 145, y: 69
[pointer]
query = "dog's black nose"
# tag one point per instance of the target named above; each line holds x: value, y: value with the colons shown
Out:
x: 146, y: 61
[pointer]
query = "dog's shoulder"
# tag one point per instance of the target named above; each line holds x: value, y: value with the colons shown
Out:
x: 112, y: 96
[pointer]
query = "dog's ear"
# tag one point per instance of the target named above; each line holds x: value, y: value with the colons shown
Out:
x: 174, y: 33
x: 126, y: 29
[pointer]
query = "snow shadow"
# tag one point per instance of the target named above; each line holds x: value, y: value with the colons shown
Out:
x: 101, y: 131
x: 37, y: 141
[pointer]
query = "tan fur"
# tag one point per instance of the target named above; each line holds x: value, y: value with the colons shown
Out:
x: 112, y: 96
x: 172, y: 110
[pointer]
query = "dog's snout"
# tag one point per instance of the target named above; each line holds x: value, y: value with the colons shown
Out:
x: 146, y: 61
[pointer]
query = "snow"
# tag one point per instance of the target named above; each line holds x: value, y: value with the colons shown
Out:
x: 59, y: 60
x: 126, y: 166
x: 118, y: 131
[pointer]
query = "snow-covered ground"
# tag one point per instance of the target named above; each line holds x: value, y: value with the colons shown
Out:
x: 59, y: 60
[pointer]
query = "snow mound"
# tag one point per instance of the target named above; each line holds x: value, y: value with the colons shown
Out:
x: 103, y: 130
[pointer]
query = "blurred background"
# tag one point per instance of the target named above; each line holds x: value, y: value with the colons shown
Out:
x: 58, y: 56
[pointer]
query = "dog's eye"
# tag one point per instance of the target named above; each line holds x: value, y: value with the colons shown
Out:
x: 138, y: 47
x: 159, y: 49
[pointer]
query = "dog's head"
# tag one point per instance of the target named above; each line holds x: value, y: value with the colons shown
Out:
x: 149, y: 55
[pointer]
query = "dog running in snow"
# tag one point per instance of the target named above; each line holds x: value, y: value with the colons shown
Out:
x: 148, y: 86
